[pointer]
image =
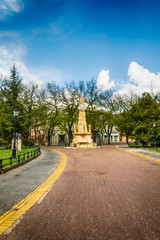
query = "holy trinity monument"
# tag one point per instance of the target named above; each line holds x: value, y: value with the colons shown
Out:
x: 82, y: 133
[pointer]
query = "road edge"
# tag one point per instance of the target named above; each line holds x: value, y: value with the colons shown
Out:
x: 10, y: 217
x: 138, y: 154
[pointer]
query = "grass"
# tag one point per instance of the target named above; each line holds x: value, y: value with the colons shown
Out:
x: 149, y: 148
x: 153, y: 149
x: 138, y: 145
x: 7, y: 153
x: 2, y: 148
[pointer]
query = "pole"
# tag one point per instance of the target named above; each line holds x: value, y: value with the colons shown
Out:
x: 14, y: 140
x: 30, y: 138
x: 154, y: 137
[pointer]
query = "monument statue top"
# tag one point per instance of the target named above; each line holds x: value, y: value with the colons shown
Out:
x: 82, y: 100
x: 82, y: 106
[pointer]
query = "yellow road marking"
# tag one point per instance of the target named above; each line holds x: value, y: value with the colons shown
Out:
x: 138, y: 154
x: 9, y: 218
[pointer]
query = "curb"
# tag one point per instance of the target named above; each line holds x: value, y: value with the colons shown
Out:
x: 138, y: 154
x: 11, y: 216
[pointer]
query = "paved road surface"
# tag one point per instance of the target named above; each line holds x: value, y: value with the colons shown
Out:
x: 17, y: 184
x: 102, y: 194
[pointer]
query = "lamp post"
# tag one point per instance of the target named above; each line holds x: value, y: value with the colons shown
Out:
x: 15, y: 113
x: 30, y: 135
x: 154, y: 127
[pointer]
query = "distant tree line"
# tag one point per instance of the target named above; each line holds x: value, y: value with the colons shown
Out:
x: 45, y: 108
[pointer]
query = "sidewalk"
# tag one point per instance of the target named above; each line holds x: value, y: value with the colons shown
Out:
x: 146, y: 153
x: 18, y: 183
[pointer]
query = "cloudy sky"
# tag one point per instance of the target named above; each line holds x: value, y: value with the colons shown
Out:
x: 115, y: 41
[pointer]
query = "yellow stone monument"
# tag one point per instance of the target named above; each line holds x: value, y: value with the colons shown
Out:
x: 82, y: 133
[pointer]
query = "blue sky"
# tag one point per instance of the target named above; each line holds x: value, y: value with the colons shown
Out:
x: 117, y: 41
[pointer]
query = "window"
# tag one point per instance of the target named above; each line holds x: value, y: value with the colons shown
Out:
x: 105, y: 138
x: 115, y: 138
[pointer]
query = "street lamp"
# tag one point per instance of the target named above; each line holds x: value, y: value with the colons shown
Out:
x: 15, y: 113
x: 30, y: 136
x: 154, y: 127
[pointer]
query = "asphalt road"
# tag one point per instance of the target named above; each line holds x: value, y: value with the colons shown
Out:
x: 18, y: 183
x: 103, y: 193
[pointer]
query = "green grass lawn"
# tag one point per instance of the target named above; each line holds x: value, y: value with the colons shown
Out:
x: 157, y: 149
x: 153, y: 149
x: 2, y: 148
x: 7, y: 153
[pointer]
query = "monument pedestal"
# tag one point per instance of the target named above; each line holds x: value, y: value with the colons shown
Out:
x: 83, y: 141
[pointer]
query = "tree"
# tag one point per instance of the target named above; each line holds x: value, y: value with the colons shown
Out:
x: 125, y: 124
x: 136, y: 121
x: 11, y: 88
x: 92, y: 97
x: 28, y: 106
x: 53, y: 102
x: 10, y: 97
x: 109, y: 112
x: 70, y: 96
x: 144, y: 112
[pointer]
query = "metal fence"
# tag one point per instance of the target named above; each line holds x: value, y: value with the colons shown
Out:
x: 11, y: 162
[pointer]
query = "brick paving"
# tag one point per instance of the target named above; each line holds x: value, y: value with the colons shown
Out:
x: 102, y: 194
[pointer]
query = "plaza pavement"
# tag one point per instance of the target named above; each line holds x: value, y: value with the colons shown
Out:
x: 103, y: 193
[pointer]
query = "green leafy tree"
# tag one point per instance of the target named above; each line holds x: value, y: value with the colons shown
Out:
x: 70, y: 96
x: 92, y: 97
x: 109, y: 111
x: 11, y: 88
x: 29, y: 104
x: 10, y: 97
x: 53, y: 103
x: 125, y: 124
x: 144, y: 112
x: 136, y: 121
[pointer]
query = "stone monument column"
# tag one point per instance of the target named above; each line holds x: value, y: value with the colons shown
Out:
x: 82, y: 132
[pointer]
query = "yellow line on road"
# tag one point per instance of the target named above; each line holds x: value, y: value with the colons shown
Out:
x: 10, y: 217
x: 138, y: 154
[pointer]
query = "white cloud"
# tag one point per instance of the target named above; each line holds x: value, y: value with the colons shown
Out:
x: 14, y: 5
x: 140, y: 80
x: 103, y: 81
x: 40, y: 75
x: 3, y: 7
x: 10, y: 6
x: 10, y: 34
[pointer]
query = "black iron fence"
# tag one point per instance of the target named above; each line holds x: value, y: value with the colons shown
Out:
x: 7, y: 164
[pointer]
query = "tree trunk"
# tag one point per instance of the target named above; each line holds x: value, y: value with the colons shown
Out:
x: 70, y: 138
x: 102, y: 135
x: 49, y: 139
x: 127, y: 139
x: 109, y: 136
x: 70, y: 134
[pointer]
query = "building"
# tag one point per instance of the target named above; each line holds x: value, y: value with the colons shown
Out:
x: 61, y: 138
